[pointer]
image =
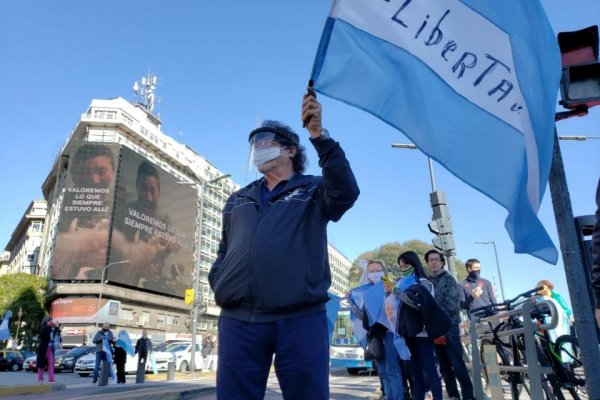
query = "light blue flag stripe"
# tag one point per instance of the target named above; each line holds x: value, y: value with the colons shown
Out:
x: 5, y: 326
x: 492, y: 154
x: 331, y: 309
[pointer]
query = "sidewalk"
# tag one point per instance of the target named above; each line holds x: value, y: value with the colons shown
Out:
x: 23, y: 383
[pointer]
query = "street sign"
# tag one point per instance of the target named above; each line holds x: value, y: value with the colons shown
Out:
x: 189, y: 296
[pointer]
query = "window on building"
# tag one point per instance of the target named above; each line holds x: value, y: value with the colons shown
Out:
x: 126, y: 314
x: 37, y: 226
x: 160, y: 319
x: 175, y: 320
x: 145, y: 318
x: 31, y: 257
x: 104, y: 114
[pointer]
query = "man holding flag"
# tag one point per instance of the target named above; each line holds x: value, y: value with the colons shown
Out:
x: 271, y: 275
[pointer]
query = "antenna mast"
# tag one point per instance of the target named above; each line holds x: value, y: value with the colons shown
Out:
x: 144, y: 92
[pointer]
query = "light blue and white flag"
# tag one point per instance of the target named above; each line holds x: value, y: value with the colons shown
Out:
x: 331, y: 309
x: 357, y: 300
x: 5, y: 326
x: 106, y: 349
x: 472, y: 83
x: 124, y: 341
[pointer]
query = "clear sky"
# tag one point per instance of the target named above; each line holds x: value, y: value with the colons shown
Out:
x: 223, y: 65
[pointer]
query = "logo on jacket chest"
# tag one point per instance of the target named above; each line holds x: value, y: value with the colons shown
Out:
x: 297, y: 192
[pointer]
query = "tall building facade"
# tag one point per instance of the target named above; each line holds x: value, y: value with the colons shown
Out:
x: 23, y: 248
x: 340, y: 270
x: 121, y: 235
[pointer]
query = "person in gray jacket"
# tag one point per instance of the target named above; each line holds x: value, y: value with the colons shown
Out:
x: 104, y: 334
x: 448, y: 348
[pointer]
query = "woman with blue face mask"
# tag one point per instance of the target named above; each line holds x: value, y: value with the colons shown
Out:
x: 388, y: 363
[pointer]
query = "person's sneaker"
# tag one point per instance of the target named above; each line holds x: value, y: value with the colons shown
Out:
x: 95, y: 381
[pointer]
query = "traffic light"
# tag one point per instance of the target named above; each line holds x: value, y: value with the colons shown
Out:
x: 580, y: 80
x: 443, y: 243
x: 441, y: 225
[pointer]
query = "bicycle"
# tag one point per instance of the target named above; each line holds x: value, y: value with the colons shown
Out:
x: 562, y: 356
x: 510, y: 351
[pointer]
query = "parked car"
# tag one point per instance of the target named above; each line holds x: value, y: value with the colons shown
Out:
x: 30, y: 363
x: 11, y: 360
x: 181, y: 353
x: 66, y: 362
x: 85, y: 365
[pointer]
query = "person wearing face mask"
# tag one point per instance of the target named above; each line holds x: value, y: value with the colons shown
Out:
x: 103, y: 340
x: 477, y: 292
x: 271, y: 274
x: 448, y: 348
x: 388, y: 363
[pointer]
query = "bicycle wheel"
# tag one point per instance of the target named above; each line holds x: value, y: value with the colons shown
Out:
x: 567, y: 348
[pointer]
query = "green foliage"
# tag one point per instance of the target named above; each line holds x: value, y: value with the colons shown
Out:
x: 26, y: 293
x: 389, y: 252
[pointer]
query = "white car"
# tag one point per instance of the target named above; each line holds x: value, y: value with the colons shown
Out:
x: 85, y: 365
x: 181, y: 353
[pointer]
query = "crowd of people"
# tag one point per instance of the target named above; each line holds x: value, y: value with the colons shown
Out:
x: 414, y: 322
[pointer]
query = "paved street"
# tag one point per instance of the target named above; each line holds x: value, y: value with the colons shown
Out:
x: 200, y: 386
x: 342, y: 387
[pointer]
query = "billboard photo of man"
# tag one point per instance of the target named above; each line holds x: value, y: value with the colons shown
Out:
x: 83, y: 229
x: 153, y: 228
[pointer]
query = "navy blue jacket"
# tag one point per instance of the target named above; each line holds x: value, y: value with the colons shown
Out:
x: 272, y: 261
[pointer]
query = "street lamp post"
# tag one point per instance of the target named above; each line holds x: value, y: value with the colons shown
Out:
x: 200, y: 185
x: 441, y: 217
x: 492, y: 242
x: 102, y: 286
x: 19, y: 314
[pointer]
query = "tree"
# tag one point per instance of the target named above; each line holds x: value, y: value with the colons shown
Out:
x: 26, y: 293
x: 389, y: 252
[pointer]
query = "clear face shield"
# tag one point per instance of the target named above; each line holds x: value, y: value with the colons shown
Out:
x: 263, y: 148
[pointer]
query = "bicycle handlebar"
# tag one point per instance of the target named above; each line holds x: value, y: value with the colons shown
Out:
x: 493, y: 308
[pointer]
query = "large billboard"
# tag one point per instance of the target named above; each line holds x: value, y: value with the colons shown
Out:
x: 152, y: 228
x: 81, y: 242
x: 85, y: 309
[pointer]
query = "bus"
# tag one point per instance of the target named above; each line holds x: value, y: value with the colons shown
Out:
x: 345, y: 351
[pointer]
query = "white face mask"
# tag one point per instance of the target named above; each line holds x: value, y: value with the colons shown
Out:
x: 375, y: 277
x: 262, y: 156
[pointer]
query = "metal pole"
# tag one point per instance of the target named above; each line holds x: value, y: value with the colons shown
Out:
x: 199, y: 220
x: 200, y: 190
x: 575, y: 273
x: 492, y: 242
x: 499, y: 273
x: 102, y: 287
x: 431, y: 176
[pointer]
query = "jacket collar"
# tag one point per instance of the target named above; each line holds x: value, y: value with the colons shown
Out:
x: 296, y: 180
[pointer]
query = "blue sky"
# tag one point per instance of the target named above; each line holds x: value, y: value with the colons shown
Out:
x: 222, y: 65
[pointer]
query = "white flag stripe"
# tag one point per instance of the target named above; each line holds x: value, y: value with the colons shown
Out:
x: 467, y: 51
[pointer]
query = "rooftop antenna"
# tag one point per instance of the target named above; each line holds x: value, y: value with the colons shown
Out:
x: 144, y: 92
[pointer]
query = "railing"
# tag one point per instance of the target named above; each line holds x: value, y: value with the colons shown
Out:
x: 479, y: 328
